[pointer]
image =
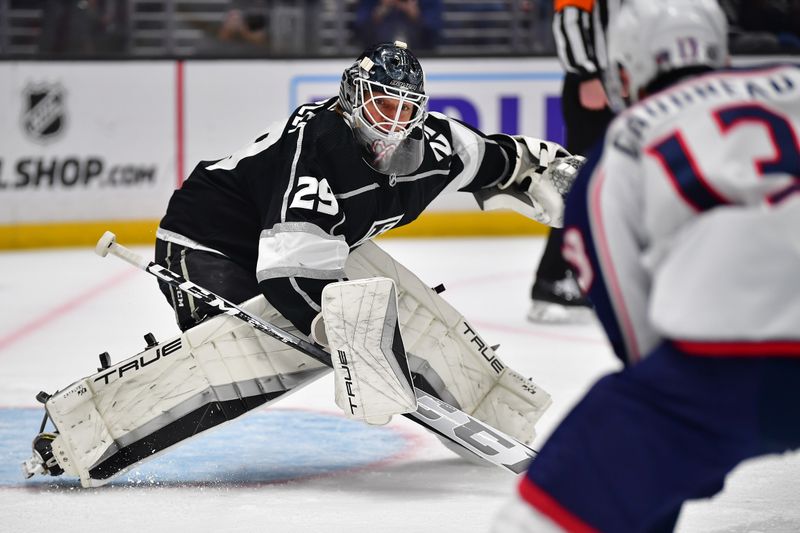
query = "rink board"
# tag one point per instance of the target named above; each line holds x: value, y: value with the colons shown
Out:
x: 99, y: 143
x: 267, y: 446
x: 102, y: 143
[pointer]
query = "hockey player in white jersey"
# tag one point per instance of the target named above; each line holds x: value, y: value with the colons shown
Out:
x: 685, y: 232
x: 281, y: 225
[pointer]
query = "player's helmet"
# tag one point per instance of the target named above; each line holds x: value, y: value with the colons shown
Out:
x: 382, y: 97
x: 649, y: 38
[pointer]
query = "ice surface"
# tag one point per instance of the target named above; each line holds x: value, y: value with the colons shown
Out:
x: 299, y: 466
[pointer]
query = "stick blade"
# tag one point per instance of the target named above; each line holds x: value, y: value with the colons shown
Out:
x: 471, y: 434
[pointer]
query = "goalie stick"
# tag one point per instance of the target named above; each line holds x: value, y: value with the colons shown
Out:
x: 437, y: 416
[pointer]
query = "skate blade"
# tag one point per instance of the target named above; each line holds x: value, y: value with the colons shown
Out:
x: 31, y: 467
x: 552, y: 313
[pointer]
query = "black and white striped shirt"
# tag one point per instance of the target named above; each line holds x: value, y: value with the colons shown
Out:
x: 579, y: 29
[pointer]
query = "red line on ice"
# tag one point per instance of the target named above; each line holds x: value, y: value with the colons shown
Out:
x: 65, y: 308
x: 535, y: 332
x: 496, y: 277
x: 485, y: 279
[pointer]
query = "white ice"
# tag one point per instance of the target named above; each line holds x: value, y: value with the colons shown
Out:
x: 60, y: 308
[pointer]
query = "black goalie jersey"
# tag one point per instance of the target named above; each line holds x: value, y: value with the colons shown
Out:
x: 291, y: 206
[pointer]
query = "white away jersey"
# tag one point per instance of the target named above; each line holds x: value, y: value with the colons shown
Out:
x: 688, y: 225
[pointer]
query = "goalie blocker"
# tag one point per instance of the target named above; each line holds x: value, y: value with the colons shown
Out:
x: 372, y: 378
x: 224, y: 367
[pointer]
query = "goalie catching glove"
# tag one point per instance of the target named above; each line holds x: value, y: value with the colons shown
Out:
x: 542, y: 177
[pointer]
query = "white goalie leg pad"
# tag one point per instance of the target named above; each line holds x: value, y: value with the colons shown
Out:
x: 445, y: 351
x: 513, y: 405
x: 141, y: 406
x: 372, y: 378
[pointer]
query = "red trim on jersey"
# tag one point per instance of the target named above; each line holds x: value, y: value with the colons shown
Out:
x: 548, y: 506
x: 724, y: 128
x: 698, y: 174
x: 606, y: 265
x: 179, y: 118
x: 757, y: 72
x: 793, y: 187
x: 740, y: 348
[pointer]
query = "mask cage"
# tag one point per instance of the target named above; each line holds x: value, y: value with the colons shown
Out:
x: 384, y: 118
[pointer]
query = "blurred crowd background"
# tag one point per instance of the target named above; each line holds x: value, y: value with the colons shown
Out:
x: 325, y: 28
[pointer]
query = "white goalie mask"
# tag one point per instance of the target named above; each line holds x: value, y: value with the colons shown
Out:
x: 649, y: 38
x: 382, y: 97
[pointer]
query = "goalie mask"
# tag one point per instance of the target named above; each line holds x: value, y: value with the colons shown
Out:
x: 382, y: 97
x: 648, y: 39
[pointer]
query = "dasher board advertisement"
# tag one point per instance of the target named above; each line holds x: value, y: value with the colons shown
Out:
x: 84, y: 141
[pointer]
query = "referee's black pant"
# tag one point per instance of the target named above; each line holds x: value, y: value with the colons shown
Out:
x: 584, y: 127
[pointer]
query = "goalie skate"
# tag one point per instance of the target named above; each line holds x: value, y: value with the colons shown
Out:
x: 559, y: 302
x: 43, y: 461
x: 132, y: 411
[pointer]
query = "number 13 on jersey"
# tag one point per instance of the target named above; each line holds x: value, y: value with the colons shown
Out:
x: 700, y: 191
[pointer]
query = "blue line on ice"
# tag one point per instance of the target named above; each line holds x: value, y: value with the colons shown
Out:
x: 266, y: 446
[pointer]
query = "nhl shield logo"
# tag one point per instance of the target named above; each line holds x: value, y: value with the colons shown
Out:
x: 44, y: 116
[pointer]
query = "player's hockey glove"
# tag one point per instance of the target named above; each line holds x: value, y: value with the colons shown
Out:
x: 539, y: 183
x: 533, y: 157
